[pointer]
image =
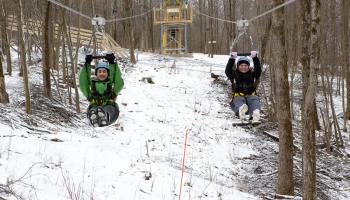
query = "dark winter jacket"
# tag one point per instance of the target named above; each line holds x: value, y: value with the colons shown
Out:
x: 244, y: 83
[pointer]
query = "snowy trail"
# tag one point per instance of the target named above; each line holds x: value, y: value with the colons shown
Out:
x: 114, y: 162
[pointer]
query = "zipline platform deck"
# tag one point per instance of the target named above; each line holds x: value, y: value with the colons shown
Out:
x: 78, y: 36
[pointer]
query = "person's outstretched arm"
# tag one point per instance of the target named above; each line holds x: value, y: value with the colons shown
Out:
x: 118, y: 81
x: 229, y: 66
x: 257, y: 67
x: 84, y: 77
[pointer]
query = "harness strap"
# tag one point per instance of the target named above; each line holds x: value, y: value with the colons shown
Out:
x: 97, y: 98
x: 236, y: 94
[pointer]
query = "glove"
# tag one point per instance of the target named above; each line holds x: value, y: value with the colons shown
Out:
x: 110, y: 58
x: 233, y: 55
x: 253, y: 54
x: 88, y: 59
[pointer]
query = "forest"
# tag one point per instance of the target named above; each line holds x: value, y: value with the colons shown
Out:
x: 303, y: 47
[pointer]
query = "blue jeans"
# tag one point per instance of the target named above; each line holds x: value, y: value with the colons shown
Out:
x: 252, y: 102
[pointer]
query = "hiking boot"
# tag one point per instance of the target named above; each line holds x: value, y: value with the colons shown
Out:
x: 256, y: 116
x: 100, y: 112
x: 102, y: 116
x: 93, y: 118
x: 242, y: 110
x: 95, y: 124
x: 103, y: 122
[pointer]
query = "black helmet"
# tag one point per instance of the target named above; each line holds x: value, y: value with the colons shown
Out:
x: 243, y: 59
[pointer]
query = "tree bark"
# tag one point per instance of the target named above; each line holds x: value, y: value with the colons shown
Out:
x: 308, y: 128
x: 22, y: 52
x: 71, y: 58
x: 4, y: 97
x: 46, y: 50
x: 345, y: 54
x: 151, y: 27
x: 128, y: 12
x: 285, y: 181
x: 232, y: 27
x: 5, y: 39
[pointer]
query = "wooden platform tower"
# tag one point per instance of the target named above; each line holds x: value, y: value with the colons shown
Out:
x: 173, y: 16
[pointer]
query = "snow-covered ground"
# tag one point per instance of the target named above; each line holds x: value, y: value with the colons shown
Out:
x: 140, y: 156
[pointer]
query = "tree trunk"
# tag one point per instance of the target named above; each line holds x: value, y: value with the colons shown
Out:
x: 308, y: 128
x: 285, y: 181
x: 23, y: 54
x: 201, y: 27
x: 151, y: 27
x: 232, y: 27
x: 46, y: 50
x: 130, y: 29
x: 5, y: 39
x: 71, y: 58
x: 4, y: 97
x: 211, y: 27
x: 345, y: 54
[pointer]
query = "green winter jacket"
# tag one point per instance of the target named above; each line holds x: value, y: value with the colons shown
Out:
x: 101, y: 93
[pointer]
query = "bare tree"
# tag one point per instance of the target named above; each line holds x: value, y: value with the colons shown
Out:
x: 46, y: 49
x: 130, y: 29
x: 308, y: 128
x: 345, y: 54
x: 285, y: 183
x: 22, y: 52
x: 151, y: 26
x: 4, y: 97
x: 5, y: 39
x: 72, y: 69
x: 211, y: 29
x: 232, y: 17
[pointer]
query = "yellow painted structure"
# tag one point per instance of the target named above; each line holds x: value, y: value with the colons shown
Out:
x: 173, y: 17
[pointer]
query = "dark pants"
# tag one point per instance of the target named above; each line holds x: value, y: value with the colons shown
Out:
x: 110, y: 110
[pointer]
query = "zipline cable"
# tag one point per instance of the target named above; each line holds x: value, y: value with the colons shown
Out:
x: 219, y: 19
x: 70, y: 9
x: 273, y: 9
x: 139, y: 15
x: 125, y: 18
x: 91, y: 18
x: 251, y: 19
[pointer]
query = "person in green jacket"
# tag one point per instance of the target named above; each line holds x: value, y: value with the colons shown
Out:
x: 102, y: 90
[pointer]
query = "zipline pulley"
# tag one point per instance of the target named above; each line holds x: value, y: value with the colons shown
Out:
x: 242, y: 29
x: 98, y: 23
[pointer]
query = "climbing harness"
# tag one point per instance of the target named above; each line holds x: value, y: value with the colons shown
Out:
x: 237, y: 94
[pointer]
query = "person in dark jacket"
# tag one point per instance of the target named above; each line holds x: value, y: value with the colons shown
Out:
x: 244, y: 79
x: 102, y: 90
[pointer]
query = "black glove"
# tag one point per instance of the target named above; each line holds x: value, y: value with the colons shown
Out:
x: 110, y: 58
x: 88, y: 59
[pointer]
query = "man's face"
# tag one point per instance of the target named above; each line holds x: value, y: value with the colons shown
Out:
x: 102, y: 74
x: 244, y: 68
